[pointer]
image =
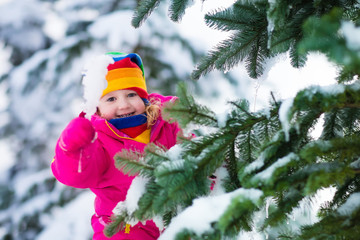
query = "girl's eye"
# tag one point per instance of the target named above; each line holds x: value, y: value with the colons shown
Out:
x: 132, y: 94
x: 110, y: 99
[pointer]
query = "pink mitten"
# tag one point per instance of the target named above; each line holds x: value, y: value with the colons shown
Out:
x: 78, y: 133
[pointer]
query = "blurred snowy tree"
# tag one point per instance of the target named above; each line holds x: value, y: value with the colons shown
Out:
x: 269, y: 166
x: 48, y: 44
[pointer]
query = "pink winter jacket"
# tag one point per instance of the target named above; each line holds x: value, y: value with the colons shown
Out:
x: 92, y: 166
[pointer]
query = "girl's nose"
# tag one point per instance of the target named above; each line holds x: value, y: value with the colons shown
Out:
x: 123, y: 104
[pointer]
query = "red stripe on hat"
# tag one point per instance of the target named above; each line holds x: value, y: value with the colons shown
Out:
x: 141, y: 92
x: 123, y: 63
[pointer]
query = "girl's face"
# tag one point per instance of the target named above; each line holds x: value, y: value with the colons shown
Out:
x: 120, y: 103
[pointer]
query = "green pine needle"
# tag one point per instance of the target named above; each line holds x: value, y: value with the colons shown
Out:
x: 131, y: 163
x: 117, y: 224
x: 185, y: 110
x: 177, y: 9
x: 143, y: 11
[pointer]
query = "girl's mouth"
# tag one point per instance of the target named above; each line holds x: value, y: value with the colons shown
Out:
x: 125, y: 115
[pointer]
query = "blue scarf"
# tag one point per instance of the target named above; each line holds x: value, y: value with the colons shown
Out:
x: 129, y: 122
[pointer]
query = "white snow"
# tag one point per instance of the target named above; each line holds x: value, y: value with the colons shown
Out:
x: 351, y: 34
x: 174, y: 153
x: 222, y: 117
x: 193, y: 26
x: 258, y: 163
x: 5, y: 67
x: 332, y: 89
x: 25, y: 182
x: 204, y: 211
x: 130, y: 205
x: 268, y: 172
x: 115, y: 35
x: 27, y: 105
x: 55, y: 21
x: 71, y: 221
x: 220, y: 173
x: 285, y: 81
x: 18, y: 14
x: 284, y: 116
x: 7, y: 158
x: 271, y: 24
x: 352, y: 204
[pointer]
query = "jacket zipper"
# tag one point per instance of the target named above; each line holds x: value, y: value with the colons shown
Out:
x: 79, y: 164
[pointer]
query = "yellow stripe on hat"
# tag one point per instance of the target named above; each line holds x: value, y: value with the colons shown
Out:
x: 123, y: 78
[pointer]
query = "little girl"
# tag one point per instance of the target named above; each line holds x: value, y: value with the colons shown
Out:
x: 126, y: 118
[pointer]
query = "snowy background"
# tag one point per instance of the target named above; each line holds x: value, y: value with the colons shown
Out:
x: 43, y: 48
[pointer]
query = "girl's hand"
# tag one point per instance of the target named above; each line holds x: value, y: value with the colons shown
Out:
x: 78, y: 133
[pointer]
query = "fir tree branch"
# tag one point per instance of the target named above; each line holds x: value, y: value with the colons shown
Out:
x: 146, y: 206
x: 344, y: 191
x: 332, y: 127
x: 129, y: 163
x: 231, y: 166
x: 177, y: 9
x: 273, y: 98
x: 328, y: 227
x: 238, y: 214
x: 185, y: 110
x: 237, y: 17
x: 143, y: 11
x: 228, y: 53
x: 117, y: 224
x: 241, y: 108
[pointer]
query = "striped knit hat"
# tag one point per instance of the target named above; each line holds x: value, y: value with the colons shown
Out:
x: 127, y: 72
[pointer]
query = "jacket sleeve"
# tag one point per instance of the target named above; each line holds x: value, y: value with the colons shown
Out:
x: 162, y: 99
x: 81, y: 166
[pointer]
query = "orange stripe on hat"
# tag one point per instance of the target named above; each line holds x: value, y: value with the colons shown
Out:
x: 124, y: 72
